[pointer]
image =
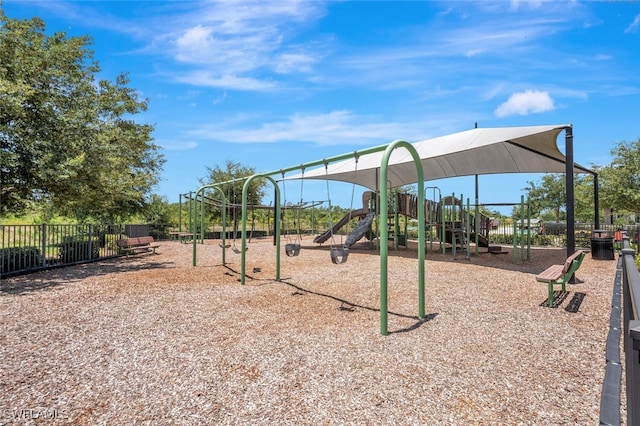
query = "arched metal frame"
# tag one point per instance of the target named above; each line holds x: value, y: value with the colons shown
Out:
x: 384, y: 232
x: 200, y: 192
x: 277, y: 230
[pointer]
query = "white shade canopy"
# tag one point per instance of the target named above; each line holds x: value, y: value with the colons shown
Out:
x: 529, y: 149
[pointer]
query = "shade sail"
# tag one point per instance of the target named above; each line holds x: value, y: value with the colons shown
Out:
x: 479, y: 151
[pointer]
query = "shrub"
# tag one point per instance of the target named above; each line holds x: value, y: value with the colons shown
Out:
x: 78, y: 249
x: 19, y: 258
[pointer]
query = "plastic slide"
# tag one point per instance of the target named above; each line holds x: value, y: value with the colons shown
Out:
x: 336, y: 227
x: 360, y: 230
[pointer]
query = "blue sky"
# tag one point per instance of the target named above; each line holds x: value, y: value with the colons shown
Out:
x: 271, y: 84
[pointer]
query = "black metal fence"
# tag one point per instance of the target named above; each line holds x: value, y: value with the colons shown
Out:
x: 27, y: 248
x: 624, y: 324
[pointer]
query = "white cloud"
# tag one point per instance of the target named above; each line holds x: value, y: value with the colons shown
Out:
x: 333, y: 128
x: 292, y: 62
x: 533, y: 4
x: 176, y: 146
x: 633, y: 27
x: 209, y: 79
x: 195, y: 38
x: 525, y: 103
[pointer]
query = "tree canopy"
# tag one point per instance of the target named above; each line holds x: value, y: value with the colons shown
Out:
x: 619, y: 188
x: 233, y: 191
x: 68, y: 138
x: 620, y: 180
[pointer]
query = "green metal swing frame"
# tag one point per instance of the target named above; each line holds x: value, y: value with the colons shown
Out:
x: 387, y: 150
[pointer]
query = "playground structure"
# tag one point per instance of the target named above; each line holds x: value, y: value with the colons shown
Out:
x: 448, y: 223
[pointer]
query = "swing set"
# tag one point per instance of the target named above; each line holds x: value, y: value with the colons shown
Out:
x: 339, y: 254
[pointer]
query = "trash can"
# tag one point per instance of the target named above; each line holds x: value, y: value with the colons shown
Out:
x: 601, y: 245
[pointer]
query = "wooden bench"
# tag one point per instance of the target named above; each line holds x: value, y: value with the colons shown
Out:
x: 561, y: 274
x: 137, y: 245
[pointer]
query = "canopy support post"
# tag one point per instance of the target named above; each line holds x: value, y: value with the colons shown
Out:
x: 571, y: 235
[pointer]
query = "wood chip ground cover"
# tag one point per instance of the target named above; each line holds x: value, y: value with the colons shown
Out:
x: 150, y: 339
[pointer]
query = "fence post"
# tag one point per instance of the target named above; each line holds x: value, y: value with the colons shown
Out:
x: 90, y: 254
x: 43, y: 245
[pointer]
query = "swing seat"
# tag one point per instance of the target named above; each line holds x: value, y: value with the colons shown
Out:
x: 224, y: 245
x: 292, y: 249
x: 237, y: 250
x: 339, y: 255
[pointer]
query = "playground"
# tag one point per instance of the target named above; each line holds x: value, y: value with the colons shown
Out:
x: 275, y: 330
x: 152, y: 339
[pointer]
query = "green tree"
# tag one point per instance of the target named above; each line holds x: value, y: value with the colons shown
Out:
x: 620, y: 181
x: 548, y: 195
x: 158, y: 211
x: 233, y: 191
x: 584, y: 198
x: 547, y: 198
x: 66, y: 137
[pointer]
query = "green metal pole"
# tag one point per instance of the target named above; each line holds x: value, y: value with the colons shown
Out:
x: 202, y: 218
x: 515, y: 239
x: 396, y: 220
x: 529, y: 231
x: 384, y: 233
x: 191, y: 219
x: 453, y: 223
x: 179, y: 212
x: 223, y: 236
x: 521, y: 228
x: 476, y: 220
x: 443, y: 229
x: 468, y: 219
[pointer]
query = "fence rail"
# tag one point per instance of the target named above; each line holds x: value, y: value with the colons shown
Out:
x: 631, y: 330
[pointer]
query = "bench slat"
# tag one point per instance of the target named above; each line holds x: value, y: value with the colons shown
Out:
x: 561, y: 274
x: 552, y: 273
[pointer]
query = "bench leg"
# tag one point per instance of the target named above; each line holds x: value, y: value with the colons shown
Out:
x: 551, y: 295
